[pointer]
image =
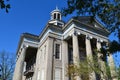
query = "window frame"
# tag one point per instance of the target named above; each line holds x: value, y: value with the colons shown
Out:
x: 58, y: 70
x: 59, y: 51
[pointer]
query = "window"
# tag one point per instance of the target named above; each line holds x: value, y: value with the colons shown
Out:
x: 57, y: 51
x: 58, y: 17
x: 70, y: 55
x: 58, y: 74
x: 45, y: 52
x: 54, y: 15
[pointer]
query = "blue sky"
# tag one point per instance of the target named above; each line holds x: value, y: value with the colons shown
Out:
x: 26, y: 16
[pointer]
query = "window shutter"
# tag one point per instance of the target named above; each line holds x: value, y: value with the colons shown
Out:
x: 57, y: 51
x: 57, y: 74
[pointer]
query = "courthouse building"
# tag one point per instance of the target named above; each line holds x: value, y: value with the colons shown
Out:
x: 45, y: 56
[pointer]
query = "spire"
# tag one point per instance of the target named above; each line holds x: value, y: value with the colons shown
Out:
x: 57, y: 8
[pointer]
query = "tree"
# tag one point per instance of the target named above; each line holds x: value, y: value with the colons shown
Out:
x: 118, y: 72
x: 84, y: 69
x: 6, y: 66
x: 106, y: 11
x: 4, y: 5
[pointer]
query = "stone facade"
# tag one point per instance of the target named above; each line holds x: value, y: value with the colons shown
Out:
x: 46, y: 56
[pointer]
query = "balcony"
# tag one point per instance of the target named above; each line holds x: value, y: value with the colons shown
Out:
x: 29, y: 70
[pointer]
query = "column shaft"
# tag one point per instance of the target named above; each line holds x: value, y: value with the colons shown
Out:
x: 35, y: 75
x: 76, y: 58
x: 101, y: 62
x: 24, y: 69
x: 49, y: 59
x: 112, y: 67
x: 64, y: 60
x: 90, y: 58
x: 18, y: 73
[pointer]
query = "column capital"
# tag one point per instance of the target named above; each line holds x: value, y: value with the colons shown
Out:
x: 75, y: 33
x: 88, y: 37
x: 99, y: 40
x: 25, y: 46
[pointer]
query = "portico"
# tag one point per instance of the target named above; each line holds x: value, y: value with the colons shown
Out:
x: 82, y: 44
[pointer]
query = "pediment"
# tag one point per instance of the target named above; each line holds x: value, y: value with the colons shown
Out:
x: 85, y: 23
x: 90, y: 22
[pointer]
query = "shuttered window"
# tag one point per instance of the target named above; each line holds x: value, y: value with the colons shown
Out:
x: 57, y: 51
x: 57, y: 74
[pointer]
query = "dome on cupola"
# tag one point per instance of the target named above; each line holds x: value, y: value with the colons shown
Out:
x: 56, y: 10
x: 56, y: 17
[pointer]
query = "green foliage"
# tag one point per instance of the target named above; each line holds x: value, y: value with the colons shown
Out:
x: 108, y: 71
x: 104, y: 52
x: 96, y: 64
x: 118, y: 72
x: 4, y: 5
x: 85, y: 68
x: 114, y: 47
x: 82, y: 70
x: 107, y: 11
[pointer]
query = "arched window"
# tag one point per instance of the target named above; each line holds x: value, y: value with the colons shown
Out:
x: 54, y: 15
x: 58, y: 17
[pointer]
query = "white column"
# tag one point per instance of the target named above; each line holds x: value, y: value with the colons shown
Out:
x: 90, y: 57
x: 18, y: 73
x: 24, y: 69
x: 49, y: 59
x: 101, y: 62
x: 37, y: 65
x: 112, y: 67
x: 76, y: 58
x: 64, y: 60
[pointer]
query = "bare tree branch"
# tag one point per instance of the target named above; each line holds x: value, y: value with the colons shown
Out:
x: 6, y: 65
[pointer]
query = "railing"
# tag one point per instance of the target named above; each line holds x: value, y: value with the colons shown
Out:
x: 29, y: 70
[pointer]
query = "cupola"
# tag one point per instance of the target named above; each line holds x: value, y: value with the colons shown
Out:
x: 56, y: 17
x: 56, y: 14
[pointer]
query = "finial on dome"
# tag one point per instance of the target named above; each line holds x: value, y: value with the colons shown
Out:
x: 57, y: 8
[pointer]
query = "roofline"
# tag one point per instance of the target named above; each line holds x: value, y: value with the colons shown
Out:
x: 101, y: 25
x: 72, y: 20
x: 49, y: 25
x: 67, y: 23
x: 43, y: 31
x: 23, y: 36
